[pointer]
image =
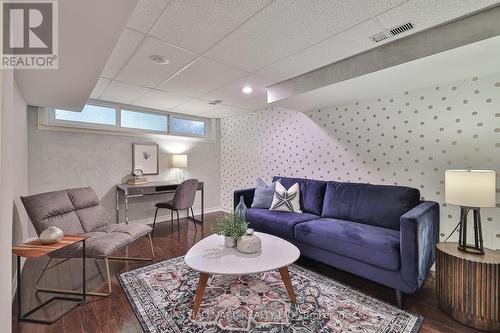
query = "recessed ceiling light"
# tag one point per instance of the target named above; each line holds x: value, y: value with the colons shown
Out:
x: 158, y: 59
x: 247, y: 90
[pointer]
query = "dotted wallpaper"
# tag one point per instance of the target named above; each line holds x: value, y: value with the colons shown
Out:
x: 405, y: 139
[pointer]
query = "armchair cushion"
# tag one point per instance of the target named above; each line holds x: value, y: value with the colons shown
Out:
x: 83, y: 197
x: 92, y: 218
x: 105, y: 240
x: 52, y: 209
x: 88, y: 208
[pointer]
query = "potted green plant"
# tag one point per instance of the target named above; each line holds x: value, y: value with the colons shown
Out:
x: 232, y: 227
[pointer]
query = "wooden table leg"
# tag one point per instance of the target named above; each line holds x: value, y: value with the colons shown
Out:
x: 202, y: 283
x: 288, y: 284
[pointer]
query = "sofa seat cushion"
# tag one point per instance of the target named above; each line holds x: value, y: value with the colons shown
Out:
x: 370, y: 244
x: 105, y: 240
x: 277, y: 223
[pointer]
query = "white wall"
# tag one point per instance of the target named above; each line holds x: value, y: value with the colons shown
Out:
x: 13, y: 183
x: 61, y: 159
x: 408, y: 139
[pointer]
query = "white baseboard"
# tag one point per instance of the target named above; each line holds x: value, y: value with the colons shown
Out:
x: 226, y: 210
x: 182, y: 214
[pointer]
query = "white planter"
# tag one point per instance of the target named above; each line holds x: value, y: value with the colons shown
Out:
x: 229, y: 241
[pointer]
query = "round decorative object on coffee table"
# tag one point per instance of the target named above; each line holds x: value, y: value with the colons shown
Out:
x: 210, y: 256
x: 467, y: 286
x: 249, y: 243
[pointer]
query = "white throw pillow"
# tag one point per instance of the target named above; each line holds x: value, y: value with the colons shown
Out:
x: 286, y: 200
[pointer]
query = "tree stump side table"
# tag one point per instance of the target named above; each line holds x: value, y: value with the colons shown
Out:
x: 468, y: 286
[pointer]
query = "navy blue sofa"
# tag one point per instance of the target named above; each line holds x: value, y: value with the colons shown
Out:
x: 380, y: 232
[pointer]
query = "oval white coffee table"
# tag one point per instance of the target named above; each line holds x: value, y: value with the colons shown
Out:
x: 210, y: 256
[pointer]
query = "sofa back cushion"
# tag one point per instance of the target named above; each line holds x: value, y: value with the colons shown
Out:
x: 379, y: 205
x: 74, y: 211
x: 311, y: 193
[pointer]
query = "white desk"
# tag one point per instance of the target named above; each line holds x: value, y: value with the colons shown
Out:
x: 151, y: 188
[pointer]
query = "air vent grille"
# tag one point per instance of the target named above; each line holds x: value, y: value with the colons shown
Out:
x: 215, y: 102
x: 389, y: 33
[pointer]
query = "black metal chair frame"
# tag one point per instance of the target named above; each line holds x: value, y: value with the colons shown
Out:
x: 172, y: 219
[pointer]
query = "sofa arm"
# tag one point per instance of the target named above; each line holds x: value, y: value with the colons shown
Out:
x: 419, y: 236
x: 247, y: 197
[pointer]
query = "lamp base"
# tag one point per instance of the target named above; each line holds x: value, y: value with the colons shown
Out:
x: 477, y: 248
x: 180, y: 175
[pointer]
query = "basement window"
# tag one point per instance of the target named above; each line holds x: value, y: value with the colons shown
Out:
x: 120, y: 119
x: 144, y: 120
x: 93, y: 114
x: 188, y: 126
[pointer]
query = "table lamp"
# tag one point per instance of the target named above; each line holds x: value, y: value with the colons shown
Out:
x: 179, y: 161
x: 471, y: 190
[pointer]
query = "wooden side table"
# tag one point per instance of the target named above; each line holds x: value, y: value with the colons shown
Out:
x: 35, y: 249
x: 468, y: 286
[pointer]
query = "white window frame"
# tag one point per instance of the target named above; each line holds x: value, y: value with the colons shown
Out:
x: 47, y: 120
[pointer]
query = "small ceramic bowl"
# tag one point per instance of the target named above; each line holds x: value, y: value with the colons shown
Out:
x: 51, y: 235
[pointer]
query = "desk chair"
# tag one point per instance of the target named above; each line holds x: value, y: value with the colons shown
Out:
x: 183, y: 200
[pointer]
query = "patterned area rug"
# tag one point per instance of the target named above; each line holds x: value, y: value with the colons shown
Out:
x: 162, y: 296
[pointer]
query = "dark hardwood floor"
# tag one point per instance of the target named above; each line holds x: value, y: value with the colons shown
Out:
x: 114, y: 313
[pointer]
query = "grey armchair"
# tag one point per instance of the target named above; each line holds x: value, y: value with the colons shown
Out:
x: 78, y: 211
x: 183, y: 200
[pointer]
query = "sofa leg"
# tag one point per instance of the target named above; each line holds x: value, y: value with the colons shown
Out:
x: 399, y: 297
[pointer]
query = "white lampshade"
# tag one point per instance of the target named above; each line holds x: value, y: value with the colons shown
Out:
x: 470, y: 188
x: 179, y: 161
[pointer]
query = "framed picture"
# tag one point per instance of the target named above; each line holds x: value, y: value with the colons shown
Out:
x: 145, y: 157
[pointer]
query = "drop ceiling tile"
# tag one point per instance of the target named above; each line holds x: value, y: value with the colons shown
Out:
x: 201, y: 77
x: 197, y: 25
x: 231, y: 94
x: 285, y: 27
x: 224, y: 111
x: 140, y: 70
x: 196, y: 107
x: 340, y: 46
x: 128, y: 42
x: 160, y: 100
x: 100, y: 86
x: 378, y: 6
x: 121, y: 92
x: 145, y: 14
x: 427, y: 13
